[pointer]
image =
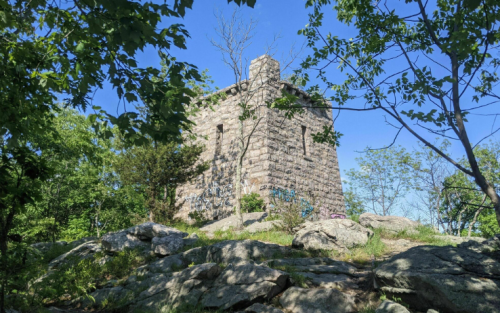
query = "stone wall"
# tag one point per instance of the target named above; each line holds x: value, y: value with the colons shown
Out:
x: 275, y: 164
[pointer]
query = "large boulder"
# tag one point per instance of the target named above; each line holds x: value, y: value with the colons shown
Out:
x: 208, y: 286
x: 232, y: 222
x: 161, y: 239
x: 334, y: 234
x: 461, y: 279
x: 242, y: 285
x: 392, y: 224
x: 300, y: 300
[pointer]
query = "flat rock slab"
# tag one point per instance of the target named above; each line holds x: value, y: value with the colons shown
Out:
x: 334, y: 234
x: 234, y: 251
x: 314, y: 265
x: 232, y: 221
x: 392, y: 224
x: 337, y: 281
x: 445, y: 278
x: 300, y: 300
x: 206, y: 285
x: 388, y: 306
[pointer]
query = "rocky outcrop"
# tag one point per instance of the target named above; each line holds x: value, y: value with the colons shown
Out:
x: 461, y: 279
x: 300, y: 300
x: 392, y: 224
x: 205, y: 285
x: 242, y: 285
x: 234, y: 251
x: 83, y: 251
x: 44, y: 247
x: 334, y: 234
x: 388, y: 306
x: 314, y: 265
x: 232, y: 222
x: 159, y: 238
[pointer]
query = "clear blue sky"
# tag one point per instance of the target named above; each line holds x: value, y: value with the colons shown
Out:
x: 286, y: 17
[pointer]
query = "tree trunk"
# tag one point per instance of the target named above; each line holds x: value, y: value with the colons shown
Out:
x: 4, y: 232
x: 471, y: 224
x: 239, y: 167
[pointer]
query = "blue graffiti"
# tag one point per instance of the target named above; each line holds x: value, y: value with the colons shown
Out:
x: 290, y: 196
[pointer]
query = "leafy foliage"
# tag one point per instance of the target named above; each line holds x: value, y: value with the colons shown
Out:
x: 158, y: 169
x: 252, y: 203
x: 383, y: 179
x: 388, y: 65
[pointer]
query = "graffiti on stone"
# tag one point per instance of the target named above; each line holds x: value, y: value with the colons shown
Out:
x: 212, y: 197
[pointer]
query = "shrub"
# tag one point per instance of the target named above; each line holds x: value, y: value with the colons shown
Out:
x: 290, y: 213
x: 252, y: 203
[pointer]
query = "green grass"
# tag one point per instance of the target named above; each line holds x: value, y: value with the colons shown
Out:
x: 422, y: 234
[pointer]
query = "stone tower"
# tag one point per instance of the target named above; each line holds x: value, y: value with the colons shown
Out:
x: 282, y: 161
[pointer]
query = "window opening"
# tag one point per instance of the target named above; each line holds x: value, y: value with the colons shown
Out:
x: 304, y: 133
x: 218, y: 138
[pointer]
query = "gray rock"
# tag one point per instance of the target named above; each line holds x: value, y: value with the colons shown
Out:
x: 244, y: 284
x: 83, y: 240
x: 314, y: 265
x: 262, y: 226
x: 299, y: 300
x: 392, y: 224
x: 232, y: 221
x: 167, y: 245
x: 163, y: 265
x: 117, y: 241
x: 261, y: 308
x: 149, y: 230
x: 337, y: 281
x: 115, y: 295
x: 481, y: 245
x: 446, y: 278
x: 459, y: 240
x: 432, y: 311
x: 206, y: 285
x: 334, y: 234
x: 391, y: 307
x: 191, y: 239
x: 83, y: 251
x: 234, y: 251
x: 140, y: 236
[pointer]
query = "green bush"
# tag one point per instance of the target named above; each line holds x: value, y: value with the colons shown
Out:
x: 252, y: 203
x: 290, y: 214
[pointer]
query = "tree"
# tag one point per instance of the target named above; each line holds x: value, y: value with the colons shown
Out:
x: 464, y: 205
x: 391, y: 65
x: 430, y: 173
x: 383, y: 179
x: 158, y: 169
x: 52, y: 50
x: 234, y: 38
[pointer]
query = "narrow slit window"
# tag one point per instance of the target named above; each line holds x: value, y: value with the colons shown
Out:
x: 304, y: 134
x: 218, y: 138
